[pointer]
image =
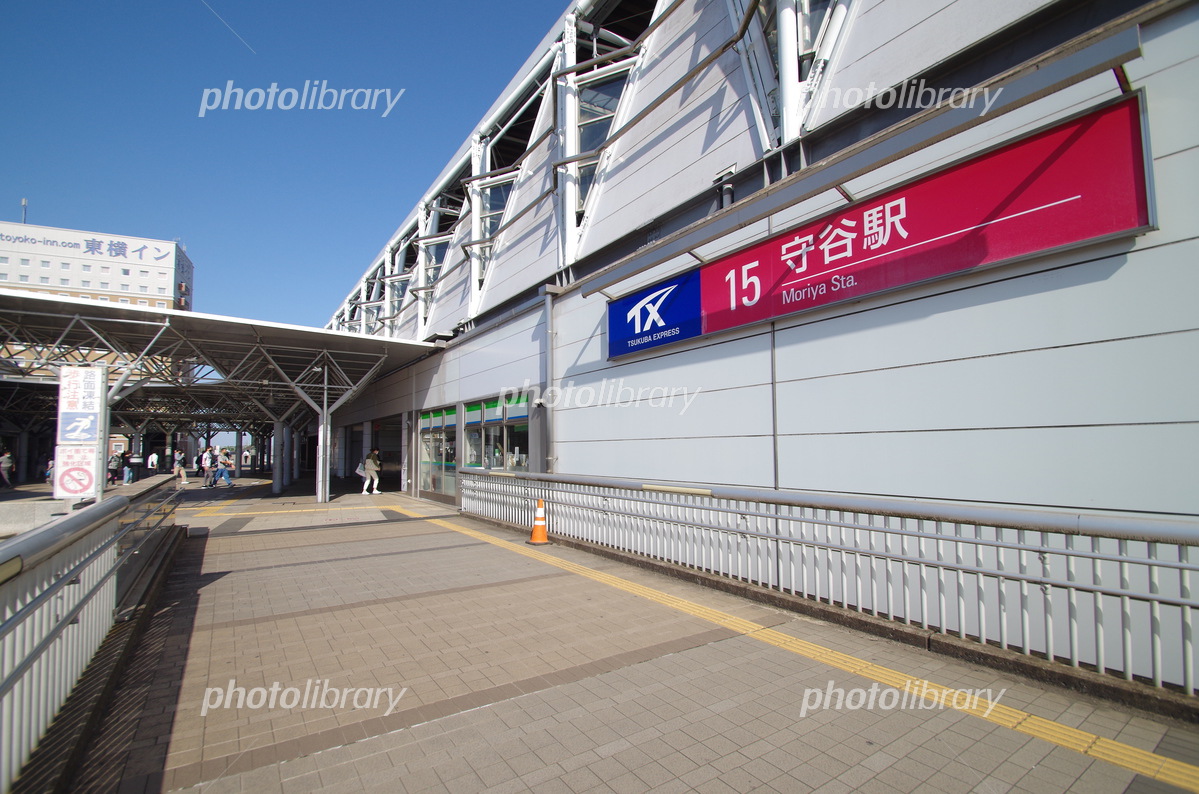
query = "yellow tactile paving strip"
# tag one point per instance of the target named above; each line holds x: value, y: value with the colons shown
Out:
x: 1167, y: 770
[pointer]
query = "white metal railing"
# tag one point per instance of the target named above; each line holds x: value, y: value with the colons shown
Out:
x: 58, y: 599
x: 1108, y: 593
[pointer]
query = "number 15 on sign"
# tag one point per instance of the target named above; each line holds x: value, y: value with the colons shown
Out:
x: 737, y: 292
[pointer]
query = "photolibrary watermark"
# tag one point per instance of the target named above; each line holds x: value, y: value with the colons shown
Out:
x: 312, y: 96
x: 612, y: 393
x: 316, y: 694
x: 914, y: 695
x: 915, y: 94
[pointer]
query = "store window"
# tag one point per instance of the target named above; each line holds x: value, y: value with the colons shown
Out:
x: 497, y: 434
x: 438, y: 452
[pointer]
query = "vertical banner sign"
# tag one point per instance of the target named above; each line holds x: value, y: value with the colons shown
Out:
x: 1080, y: 181
x: 82, y: 401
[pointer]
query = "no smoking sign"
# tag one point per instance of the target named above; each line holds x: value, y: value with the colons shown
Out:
x: 75, y: 472
x: 76, y: 481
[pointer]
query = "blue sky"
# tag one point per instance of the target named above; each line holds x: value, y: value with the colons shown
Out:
x: 281, y: 210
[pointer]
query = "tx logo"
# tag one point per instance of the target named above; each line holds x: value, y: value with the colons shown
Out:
x: 651, y: 303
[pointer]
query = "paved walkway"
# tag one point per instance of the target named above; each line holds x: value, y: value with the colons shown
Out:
x: 385, y: 644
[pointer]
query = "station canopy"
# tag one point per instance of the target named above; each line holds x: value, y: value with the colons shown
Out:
x: 182, y: 371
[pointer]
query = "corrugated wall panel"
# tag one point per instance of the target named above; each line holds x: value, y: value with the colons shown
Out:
x: 889, y: 41
x: 678, y: 149
x: 528, y: 253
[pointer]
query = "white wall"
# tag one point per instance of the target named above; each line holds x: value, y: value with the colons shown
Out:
x: 1067, y: 380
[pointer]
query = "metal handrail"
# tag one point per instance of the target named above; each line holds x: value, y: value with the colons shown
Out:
x: 1129, y: 527
x: 49, y: 632
x: 24, y: 551
x: 997, y: 584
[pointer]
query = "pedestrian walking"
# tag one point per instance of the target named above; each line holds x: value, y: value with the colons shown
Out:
x: 6, y: 468
x: 127, y: 465
x: 208, y: 466
x: 152, y: 461
x: 223, y: 465
x: 114, y: 466
x: 371, y: 466
x: 180, y: 467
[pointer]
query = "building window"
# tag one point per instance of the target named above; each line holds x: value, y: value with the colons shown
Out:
x: 46, y: 263
x: 436, y: 254
x: 24, y: 263
x: 103, y: 298
x: 124, y: 300
x: 124, y: 288
x: 162, y: 290
x: 66, y: 265
x: 85, y: 283
x: 103, y: 285
x: 105, y: 269
x: 64, y: 282
x: 497, y: 434
x: 86, y: 268
x: 597, y: 107
x: 161, y: 304
x: 3, y: 260
x: 124, y: 271
x: 3, y: 277
x: 495, y: 199
x: 24, y: 278
x: 43, y: 279
x: 143, y: 288
x: 438, y: 451
x: 144, y: 273
x: 143, y: 303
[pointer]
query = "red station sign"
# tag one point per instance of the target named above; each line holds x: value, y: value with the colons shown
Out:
x: 1079, y: 181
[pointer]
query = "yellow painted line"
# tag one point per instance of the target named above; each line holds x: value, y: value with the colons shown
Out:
x: 223, y: 507
x: 1143, y: 762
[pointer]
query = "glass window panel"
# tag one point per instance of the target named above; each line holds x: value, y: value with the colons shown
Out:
x: 495, y: 198
x: 586, y: 179
x: 518, y: 447
x: 493, y: 447
x: 599, y: 99
x: 592, y: 136
x: 518, y: 408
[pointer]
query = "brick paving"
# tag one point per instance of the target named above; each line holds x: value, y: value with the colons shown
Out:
x: 420, y: 658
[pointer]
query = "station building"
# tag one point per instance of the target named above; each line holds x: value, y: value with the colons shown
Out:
x: 932, y: 251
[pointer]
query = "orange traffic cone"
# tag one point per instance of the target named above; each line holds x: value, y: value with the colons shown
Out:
x: 538, y: 537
